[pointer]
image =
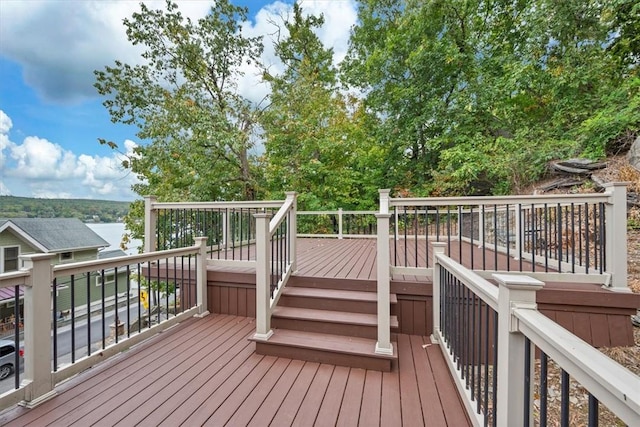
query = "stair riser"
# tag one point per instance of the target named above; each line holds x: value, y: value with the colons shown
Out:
x: 320, y: 356
x: 362, y: 331
x: 341, y: 284
x: 369, y: 307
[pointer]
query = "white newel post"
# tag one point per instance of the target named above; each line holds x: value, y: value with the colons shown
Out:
x: 38, y: 380
x: 339, y: 223
x: 263, y: 270
x: 293, y: 228
x: 616, y: 235
x: 383, y: 346
x: 515, y: 291
x: 150, y: 221
x: 201, y: 276
x: 438, y: 249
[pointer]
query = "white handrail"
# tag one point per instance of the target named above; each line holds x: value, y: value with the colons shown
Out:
x: 500, y: 200
x: 612, y: 384
x: 479, y: 286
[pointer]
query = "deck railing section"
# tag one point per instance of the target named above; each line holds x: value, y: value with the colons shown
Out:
x: 490, y: 336
x: 12, y: 283
x: 340, y: 224
x: 229, y: 227
x: 543, y: 235
x: 275, y: 260
x: 151, y: 292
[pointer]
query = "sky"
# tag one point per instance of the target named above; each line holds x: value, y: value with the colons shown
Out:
x: 51, y: 116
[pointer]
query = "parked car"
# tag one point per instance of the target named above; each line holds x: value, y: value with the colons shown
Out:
x: 8, y: 358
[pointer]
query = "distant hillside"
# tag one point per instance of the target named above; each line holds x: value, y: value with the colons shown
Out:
x: 84, y: 209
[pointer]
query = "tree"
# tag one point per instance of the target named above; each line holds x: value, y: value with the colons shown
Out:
x: 475, y: 97
x: 313, y: 142
x: 183, y: 99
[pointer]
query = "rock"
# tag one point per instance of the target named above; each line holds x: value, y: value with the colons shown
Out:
x: 634, y: 154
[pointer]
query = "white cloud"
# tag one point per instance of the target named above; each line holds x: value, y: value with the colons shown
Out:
x: 40, y: 168
x: 60, y: 43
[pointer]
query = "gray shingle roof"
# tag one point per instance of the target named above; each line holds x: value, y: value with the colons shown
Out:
x: 58, y: 234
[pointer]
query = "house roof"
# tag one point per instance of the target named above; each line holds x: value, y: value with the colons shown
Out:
x: 111, y: 253
x: 54, y: 234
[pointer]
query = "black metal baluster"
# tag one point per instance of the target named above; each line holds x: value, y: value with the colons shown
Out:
x: 88, y: 314
x: 72, y: 289
x: 564, y: 399
x: 593, y: 411
x: 527, y: 382
x: 544, y: 391
x: 55, y: 324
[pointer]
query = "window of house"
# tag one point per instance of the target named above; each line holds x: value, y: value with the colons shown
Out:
x: 108, y: 279
x: 66, y: 256
x: 10, y: 259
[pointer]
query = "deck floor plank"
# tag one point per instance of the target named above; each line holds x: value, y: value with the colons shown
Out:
x: 293, y: 401
x: 330, y: 407
x: 410, y: 401
x: 150, y: 379
x: 243, y: 403
x: 271, y: 404
x: 308, y: 412
x: 371, y: 400
x: 391, y: 413
x: 352, y: 400
x: 165, y: 397
x: 245, y: 377
x: 426, y: 382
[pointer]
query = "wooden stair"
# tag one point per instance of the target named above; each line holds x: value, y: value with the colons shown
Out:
x: 328, y: 325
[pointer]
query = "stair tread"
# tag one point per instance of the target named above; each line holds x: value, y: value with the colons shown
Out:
x: 346, y: 295
x: 330, y: 316
x: 328, y: 342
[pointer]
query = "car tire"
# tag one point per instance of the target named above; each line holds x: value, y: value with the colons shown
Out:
x: 5, y: 371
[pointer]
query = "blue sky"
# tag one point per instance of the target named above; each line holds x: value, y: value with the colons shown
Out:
x: 51, y: 116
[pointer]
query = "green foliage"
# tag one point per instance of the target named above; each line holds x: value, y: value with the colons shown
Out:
x: 184, y: 101
x: 477, y: 96
x: 83, y: 209
x: 455, y: 97
x: 620, y: 114
x: 314, y: 142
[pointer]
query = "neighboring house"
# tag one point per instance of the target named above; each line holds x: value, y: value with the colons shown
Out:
x: 70, y: 240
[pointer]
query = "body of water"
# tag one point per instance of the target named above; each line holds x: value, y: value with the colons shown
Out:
x: 112, y: 233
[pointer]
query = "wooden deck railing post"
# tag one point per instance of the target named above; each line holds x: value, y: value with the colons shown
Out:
x: 263, y: 273
x: 38, y: 380
x: 293, y: 229
x: 340, y: 223
x: 383, y: 346
x: 515, y: 291
x: 201, y: 276
x: 438, y: 249
x: 150, y: 223
x: 616, y: 235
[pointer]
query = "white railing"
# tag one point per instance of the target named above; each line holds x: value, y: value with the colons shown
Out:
x: 485, y: 333
x: 337, y: 224
x: 275, y: 260
x: 230, y: 227
x: 544, y: 235
x: 41, y: 372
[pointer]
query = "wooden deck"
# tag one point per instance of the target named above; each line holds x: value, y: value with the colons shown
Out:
x: 205, y: 372
x: 597, y: 315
